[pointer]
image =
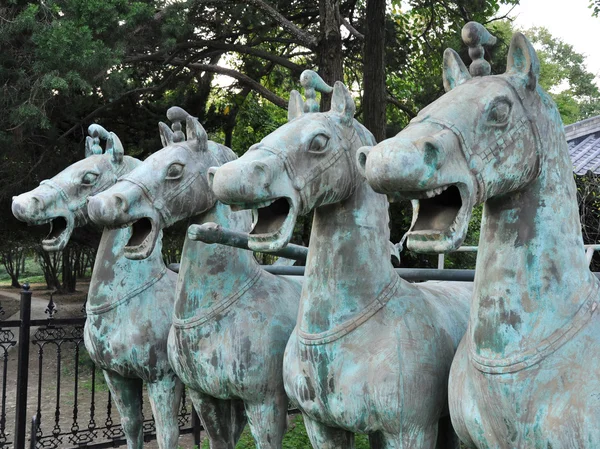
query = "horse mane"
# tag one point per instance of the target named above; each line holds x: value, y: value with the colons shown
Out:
x: 222, y: 153
x: 365, y: 136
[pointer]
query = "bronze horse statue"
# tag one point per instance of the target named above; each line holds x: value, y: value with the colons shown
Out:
x: 130, y: 302
x: 232, y: 319
x: 371, y: 352
x: 527, y: 373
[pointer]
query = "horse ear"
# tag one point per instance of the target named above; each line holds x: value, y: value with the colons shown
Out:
x: 523, y: 61
x: 195, y: 131
x: 295, y: 105
x: 166, y: 135
x: 455, y: 72
x: 114, y: 147
x: 343, y: 103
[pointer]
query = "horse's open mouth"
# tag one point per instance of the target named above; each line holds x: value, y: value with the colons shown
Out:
x: 144, y: 234
x: 275, y: 224
x: 61, y: 229
x: 440, y: 218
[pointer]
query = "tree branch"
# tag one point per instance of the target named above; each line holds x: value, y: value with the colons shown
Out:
x: 393, y: 100
x: 353, y: 31
x: 244, y: 79
x: 505, y: 16
x: 282, y: 61
x: 95, y: 112
x: 305, y: 38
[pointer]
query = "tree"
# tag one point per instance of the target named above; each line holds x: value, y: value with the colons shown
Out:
x: 375, y: 96
x: 12, y: 255
x: 68, y: 63
x: 564, y: 75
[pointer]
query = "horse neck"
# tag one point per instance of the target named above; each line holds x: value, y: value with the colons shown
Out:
x: 348, y: 263
x: 532, y: 275
x: 116, y: 276
x: 210, y: 273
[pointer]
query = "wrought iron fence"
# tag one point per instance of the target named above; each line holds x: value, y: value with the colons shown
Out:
x: 58, y: 390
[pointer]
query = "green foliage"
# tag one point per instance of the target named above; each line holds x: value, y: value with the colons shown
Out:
x: 295, y: 438
x: 564, y: 76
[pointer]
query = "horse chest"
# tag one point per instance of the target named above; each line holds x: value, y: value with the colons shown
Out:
x: 226, y: 357
x: 533, y: 407
x: 338, y: 386
x: 131, y: 352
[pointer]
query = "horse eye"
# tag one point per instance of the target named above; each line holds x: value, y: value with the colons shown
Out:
x: 499, y: 113
x: 318, y: 144
x: 174, y: 171
x: 89, y: 179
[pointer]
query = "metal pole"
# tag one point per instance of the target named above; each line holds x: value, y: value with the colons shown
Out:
x: 441, y: 261
x: 408, y: 274
x: 196, y: 428
x: 23, y: 369
x: 214, y: 233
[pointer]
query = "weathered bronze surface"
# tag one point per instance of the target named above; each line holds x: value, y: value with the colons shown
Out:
x: 130, y: 302
x: 371, y: 353
x: 232, y: 319
x: 527, y: 374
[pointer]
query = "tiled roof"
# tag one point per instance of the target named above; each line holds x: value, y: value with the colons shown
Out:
x: 584, y: 145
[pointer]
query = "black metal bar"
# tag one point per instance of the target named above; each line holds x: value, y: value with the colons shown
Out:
x: 23, y: 369
x: 196, y: 427
x: 214, y: 233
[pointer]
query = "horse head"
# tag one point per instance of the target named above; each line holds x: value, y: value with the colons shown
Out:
x: 304, y: 164
x: 478, y: 141
x: 61, y: 200
x: 168, y: 186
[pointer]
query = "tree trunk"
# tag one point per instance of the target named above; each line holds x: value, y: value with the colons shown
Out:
x: 50, y: 264
x: 12, y: 259
x: 329, y: 49
x: 374, y: 98
x: 70, y: 265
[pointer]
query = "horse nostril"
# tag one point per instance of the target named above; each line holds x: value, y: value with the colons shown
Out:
x: 37, y: 204
x: 121, y: 203
x: 261, y: 171
x: 361, y: 158
x: 211, y: 176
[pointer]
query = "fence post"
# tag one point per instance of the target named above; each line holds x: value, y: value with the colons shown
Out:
x: 23, y: 369
x: 196, y: 427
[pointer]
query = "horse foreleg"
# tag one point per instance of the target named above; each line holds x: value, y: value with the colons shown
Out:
x: 127, y: 394
x: 323, y: 437
x: 268, y: 421
x: 223, y: 420
x: 165, y: 398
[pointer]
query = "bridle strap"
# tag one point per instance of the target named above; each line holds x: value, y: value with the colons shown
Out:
x: 476, y: 161
x: 159, y: 204
x: 301, y: 182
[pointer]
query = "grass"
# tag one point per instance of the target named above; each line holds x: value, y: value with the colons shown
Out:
x: 295, y: 438
x: 33, y: 273
x: 86, y: 365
